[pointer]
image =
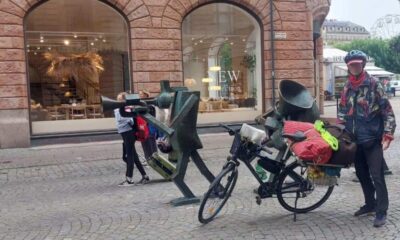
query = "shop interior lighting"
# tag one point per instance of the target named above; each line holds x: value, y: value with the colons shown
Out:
x: 215, y: 68
x: 190, y: 82
x: 206, y: 80
x: 215, y: 88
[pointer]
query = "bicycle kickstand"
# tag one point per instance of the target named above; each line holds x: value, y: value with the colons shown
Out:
x: 258, y: 200
x: 295, y: 206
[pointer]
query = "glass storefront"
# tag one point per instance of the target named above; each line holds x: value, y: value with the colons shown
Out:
x: 76, y: 50
x: 222, y: 60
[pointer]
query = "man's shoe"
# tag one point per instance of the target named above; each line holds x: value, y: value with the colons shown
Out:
x: 126, y: 183
x: 380, y: 220
x: 364, y: 210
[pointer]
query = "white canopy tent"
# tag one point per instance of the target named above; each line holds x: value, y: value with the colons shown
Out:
x: 372, y: 70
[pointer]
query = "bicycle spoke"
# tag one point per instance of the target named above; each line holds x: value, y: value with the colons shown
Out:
x: 295, y: 186
x: 216, y: 196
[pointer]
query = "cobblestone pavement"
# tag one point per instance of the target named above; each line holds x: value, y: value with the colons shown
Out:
x: 70, y: 191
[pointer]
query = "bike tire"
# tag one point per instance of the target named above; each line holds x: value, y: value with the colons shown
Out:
x: 231, y: 169
x: 280, y: 195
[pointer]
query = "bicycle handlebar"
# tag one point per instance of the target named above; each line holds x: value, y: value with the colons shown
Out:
x: 230, y: 130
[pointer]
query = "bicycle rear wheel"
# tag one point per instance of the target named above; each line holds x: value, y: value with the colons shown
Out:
x: 218, y: 193
x: 298, y: 194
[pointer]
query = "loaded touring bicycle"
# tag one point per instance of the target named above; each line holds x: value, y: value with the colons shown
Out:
x: 299, y: 185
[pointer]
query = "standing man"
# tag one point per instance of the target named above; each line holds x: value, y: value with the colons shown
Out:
x: 367, y: 113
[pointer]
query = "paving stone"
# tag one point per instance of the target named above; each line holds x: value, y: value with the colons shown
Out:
x: 69, y: 191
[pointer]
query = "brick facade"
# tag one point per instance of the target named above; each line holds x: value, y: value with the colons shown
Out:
x: 156, y: 43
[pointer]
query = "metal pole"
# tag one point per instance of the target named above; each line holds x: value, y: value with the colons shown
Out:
x: 272, y: 52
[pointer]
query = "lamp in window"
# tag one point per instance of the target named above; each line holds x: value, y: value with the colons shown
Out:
x: 215, y: 68
x: 206, y: 80
x: 215, y: 88
x: 190, y: 82
x: 67, y: 94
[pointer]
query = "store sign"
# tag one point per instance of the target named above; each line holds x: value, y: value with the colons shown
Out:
x: 280, y: 35
x: 233, y: 76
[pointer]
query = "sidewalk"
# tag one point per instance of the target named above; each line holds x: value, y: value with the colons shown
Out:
x: 70, y: 191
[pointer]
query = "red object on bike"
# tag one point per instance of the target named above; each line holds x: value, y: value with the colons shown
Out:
x: 142, y: 130
x: 291, y: 127
x: 314, y: 148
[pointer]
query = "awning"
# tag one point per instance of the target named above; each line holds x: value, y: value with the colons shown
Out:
x: 372, y: 70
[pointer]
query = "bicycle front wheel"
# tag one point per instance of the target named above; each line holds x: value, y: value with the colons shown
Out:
x: 218, y: 193
x: 298, y: 194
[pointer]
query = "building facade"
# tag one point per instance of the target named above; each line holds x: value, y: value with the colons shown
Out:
x: 58, y: 56
x: 335, y: 31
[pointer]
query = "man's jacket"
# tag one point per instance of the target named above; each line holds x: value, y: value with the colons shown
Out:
x: 366, y: 110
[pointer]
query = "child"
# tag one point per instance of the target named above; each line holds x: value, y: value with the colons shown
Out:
x: 125, y: 127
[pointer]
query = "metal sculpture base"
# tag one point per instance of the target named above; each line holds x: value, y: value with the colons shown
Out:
x: 185, y: 201
x: 189, y: 197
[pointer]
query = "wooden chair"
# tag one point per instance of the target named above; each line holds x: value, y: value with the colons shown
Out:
x: 216, y: 105
x: 202, y: 106
x: 56, y: 113
x: 78, y: 112
x: 94, y: 111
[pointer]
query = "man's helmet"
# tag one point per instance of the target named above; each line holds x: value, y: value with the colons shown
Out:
x: 356, y: 56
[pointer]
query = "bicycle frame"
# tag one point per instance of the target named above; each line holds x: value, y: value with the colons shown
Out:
x: 282, y: 156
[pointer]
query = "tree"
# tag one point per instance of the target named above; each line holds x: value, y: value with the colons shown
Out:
x: 385, y: 52
x: 395, y: 45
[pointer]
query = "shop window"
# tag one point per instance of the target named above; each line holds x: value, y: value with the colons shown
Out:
x: 222, y: 58
x: 77, y: 51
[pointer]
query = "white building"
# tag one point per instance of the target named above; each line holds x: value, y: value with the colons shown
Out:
x: 335, y: 31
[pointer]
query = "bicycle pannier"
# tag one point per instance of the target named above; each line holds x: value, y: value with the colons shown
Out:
x: 346, y: 153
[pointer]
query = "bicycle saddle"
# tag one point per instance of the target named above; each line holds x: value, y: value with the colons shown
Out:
x: 296, y: 137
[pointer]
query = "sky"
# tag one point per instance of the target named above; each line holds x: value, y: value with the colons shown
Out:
x: 362, y: 12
